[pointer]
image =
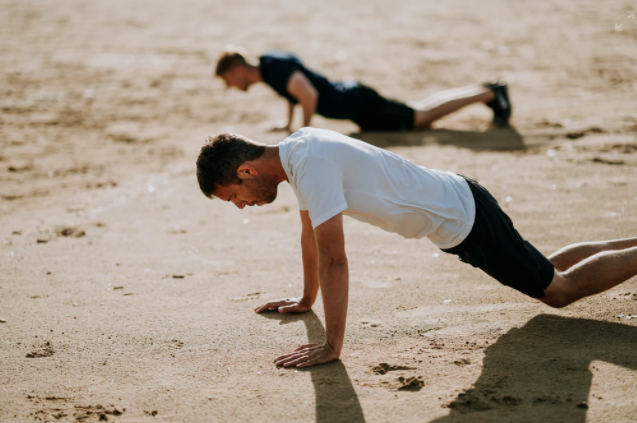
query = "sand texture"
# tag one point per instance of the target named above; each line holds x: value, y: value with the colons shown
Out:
x: 126, y: 296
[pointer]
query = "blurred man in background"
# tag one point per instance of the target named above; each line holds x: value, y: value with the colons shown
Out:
x: 351, y: 100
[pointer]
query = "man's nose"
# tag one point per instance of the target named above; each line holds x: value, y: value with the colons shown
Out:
x: 239, y: 204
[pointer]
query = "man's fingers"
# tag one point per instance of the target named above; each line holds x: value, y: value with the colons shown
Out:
x: 295, y: 357
x: 271, y: 305
x: 281, y: 361
x: 283, y: 357
x: 303, y: 349
x: 296, y: 307
x: 274, y: 304
x: 305, y: 356
x: 288, y: 308
x: 294, y: 361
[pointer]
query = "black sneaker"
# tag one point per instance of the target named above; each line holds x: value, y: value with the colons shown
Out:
x: 500, y: 105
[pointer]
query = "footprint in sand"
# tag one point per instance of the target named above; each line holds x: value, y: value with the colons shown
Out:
x: 383, y: 368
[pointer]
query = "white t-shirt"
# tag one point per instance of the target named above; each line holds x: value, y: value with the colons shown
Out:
x: 331, y: 173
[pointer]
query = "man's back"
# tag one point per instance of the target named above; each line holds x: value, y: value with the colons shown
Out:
x: 332, y: 173
x: 337, y: 100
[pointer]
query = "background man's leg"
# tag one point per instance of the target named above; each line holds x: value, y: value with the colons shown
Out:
x: 592, y: 275
x: 445, y: 102
x: 572, y: 254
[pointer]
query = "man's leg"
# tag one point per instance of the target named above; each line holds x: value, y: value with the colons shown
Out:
x: 445, y: 102
x: 592, y: 275
x: 572, y: 254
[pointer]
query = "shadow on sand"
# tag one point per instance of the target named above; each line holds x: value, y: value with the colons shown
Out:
x: 336, y: 400
x: 495, y: 139
x: 540, y: 372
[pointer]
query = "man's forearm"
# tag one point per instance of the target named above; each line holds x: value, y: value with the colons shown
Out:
x: 334, y: 281
x: 310, y: 269
x: 309, y: 108
x: 290, y: 114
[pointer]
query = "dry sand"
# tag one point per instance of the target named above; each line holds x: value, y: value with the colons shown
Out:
x: 125, y: 291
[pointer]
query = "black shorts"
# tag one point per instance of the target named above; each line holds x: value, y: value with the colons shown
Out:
x: 497, y: 248
x: 380, y: 114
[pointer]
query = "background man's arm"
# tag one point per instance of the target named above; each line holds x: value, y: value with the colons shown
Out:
x: 290, y: 115
x: 333, y: 276
x: 286, y: 127
x: 302, y: 89
x: 310, y: 274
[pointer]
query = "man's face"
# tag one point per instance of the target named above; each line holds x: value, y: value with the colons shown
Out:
x: 257, y: 190
x: 237, y: 78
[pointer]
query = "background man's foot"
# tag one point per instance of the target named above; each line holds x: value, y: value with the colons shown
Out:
x: 500, y: 105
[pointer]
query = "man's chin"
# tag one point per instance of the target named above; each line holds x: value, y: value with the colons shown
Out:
x: 263, y: 203
x: 268, y: 201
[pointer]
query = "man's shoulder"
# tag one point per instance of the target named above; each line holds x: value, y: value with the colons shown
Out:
x: 273, y: 57
x: 318, y: 146
x: 308, y: 136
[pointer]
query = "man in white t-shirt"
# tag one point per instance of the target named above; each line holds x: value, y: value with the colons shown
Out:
x: 333, y: 175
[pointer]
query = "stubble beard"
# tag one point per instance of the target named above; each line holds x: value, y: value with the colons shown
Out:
x: 264, y: 189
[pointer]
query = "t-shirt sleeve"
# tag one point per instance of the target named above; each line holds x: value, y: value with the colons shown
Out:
x: 320, y: 190
x: 301, y: 203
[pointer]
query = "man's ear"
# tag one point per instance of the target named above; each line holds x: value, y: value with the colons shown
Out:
x: 245, y: 171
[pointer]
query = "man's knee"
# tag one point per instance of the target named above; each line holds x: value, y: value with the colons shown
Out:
x: 556, y: 301
x: 558, y: 294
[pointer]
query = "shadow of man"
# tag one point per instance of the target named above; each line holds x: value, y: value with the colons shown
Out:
x: 496, y: 139
x: 540, y: 372
x: 336, y: 400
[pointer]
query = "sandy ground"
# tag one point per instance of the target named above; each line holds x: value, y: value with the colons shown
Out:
x: 123, y: 290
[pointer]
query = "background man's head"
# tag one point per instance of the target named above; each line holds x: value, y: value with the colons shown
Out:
x: 234, y: 66
x: 228, y: 168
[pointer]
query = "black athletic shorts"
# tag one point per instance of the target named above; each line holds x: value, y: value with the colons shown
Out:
x: 380, y: 114
x: 494, y: 246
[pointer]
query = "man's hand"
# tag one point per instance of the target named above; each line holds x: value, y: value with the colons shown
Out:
x: 280, y: 126
x: 286, y: 305
x: 308, y: 355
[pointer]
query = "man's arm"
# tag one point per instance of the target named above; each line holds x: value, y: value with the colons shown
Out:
x: 302, y: 89
x: 290, y: 115
x: 310, y: 274
x: 288, y: 126
x: 309, y: 253
x: 333, y: 277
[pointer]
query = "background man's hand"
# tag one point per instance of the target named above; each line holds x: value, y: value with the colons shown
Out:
x: 279, y: 126
x: 308, y: 355
x: 285, y: 305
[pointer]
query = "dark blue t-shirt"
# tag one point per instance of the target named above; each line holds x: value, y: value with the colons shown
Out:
x: 336, y: 100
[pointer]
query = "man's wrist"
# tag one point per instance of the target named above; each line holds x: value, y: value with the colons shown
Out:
x: 307, y: 301
x: 334, y: 345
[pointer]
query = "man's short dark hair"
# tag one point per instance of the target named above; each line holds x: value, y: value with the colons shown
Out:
x: 219, y: 159
x: 231, y: 58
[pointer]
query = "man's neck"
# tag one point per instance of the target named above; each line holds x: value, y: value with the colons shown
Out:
x: 273, y: 160
x: 254, y: 74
